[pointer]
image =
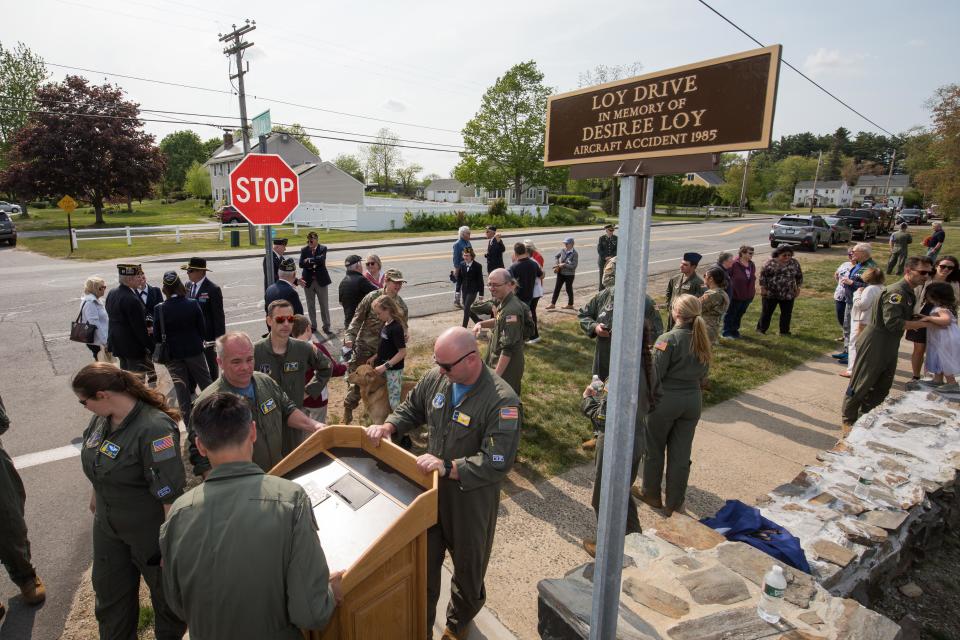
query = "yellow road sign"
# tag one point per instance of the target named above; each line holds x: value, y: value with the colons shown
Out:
x: 67, y: 203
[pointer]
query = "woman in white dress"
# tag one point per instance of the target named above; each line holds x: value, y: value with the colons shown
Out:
x: 943, y: 338
x: 93, y: 312
x: 863, y: 301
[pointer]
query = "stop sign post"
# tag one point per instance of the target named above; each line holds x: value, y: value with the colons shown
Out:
x: 265, y: 190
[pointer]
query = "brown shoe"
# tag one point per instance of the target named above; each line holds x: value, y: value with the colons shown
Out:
x: 590, y: 444
x: 568, y: 306
x: 449, y: 634
x: 590, y: 546
x: 652, y: 501
x: 33, y: 591
x: 551, y: 306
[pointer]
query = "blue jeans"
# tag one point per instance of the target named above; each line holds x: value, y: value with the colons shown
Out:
x: 731, y: 321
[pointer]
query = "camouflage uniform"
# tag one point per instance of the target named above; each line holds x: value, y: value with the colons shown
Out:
x: 364, y: 332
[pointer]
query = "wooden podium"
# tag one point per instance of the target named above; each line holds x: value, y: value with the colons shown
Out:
x: 373, y: 508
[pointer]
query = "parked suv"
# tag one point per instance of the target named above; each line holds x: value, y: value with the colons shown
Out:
x: 863, y: 222
x: 912, y: 216
x: 8, y: 230
x: 808, y: 231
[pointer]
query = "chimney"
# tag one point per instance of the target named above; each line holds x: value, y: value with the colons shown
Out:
x: 227, y: 139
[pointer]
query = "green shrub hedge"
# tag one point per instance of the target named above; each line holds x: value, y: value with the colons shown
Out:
x: 557, y: 217
x: 574, y: 202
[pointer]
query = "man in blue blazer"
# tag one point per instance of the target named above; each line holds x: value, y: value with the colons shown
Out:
x: 316, y: 279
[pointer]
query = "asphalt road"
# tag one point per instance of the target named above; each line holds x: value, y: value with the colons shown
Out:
x: 39, y: 298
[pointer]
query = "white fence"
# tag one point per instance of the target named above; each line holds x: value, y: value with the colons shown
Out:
x: 175, y: 231
x: 382, y: 214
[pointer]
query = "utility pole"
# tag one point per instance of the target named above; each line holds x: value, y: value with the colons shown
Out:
x: 743, y: 185
x: 886, y: 189
x: 235, y: 48
x: 816, y: 177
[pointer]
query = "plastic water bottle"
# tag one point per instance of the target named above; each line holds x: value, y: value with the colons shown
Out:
x: 771, y: 597
x: 596, y: 384
x: 862, y: 490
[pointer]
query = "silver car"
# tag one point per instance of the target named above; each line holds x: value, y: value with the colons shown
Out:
x: 7, y: 207
x: 808, y: 231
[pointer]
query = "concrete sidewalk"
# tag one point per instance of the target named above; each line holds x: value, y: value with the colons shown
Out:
x: 744, y: 447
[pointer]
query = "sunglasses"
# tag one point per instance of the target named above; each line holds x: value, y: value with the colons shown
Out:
x: 283, y: 319
x: 85, y: 401
x: 924, y: 272
x: 449, y: 367
x: 946, y: 267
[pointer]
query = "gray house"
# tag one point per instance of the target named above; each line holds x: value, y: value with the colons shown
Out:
x: 876, y: 187
x: 228, y: 156
x: 324, y: 182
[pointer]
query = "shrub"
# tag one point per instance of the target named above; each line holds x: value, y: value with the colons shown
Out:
x: 38, y: 205
x: 574, y: 202
x: 498, y: 208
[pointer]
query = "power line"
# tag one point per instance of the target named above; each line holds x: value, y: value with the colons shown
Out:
x: 263, y: 98
x: 219, y: 126
x: 802, y: 74
x: 170, y: 115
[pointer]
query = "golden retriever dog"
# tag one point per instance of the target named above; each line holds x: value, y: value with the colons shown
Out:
x: 373, y: 393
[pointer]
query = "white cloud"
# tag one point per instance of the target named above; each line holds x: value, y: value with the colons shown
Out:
x: 825, y: 61
x: 916, y: 42
x: 394, y: 105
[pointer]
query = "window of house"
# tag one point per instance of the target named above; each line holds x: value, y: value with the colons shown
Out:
x: 689, y: 176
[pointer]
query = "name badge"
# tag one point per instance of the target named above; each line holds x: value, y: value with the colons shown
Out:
x: 289, y: 367
x: 109, y: 449
x: 267, y: 406
x: 462, y: 418
x: 264, y: 368
x: 203, y: 297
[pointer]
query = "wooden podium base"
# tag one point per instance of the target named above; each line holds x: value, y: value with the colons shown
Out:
x: 385, y: 588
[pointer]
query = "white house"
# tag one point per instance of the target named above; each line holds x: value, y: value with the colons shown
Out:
x: 834, y: 193
x: 876, y: 187
x: 229, y: 154
x: 451, y: 190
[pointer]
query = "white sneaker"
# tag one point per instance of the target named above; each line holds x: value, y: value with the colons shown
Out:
x: 533, y: 340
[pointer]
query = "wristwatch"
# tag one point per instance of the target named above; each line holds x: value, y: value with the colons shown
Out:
x: 447, y: 467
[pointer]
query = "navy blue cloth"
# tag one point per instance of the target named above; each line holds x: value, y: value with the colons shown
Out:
x: 283, y: 290
x: 313, y: 265
x: 743, y: 523
x: 183, y: 326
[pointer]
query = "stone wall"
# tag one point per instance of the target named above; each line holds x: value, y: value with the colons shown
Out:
x: 684, y: 581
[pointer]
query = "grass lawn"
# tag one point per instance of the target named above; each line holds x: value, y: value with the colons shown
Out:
x: 558, y: 369
x: 145, y: 214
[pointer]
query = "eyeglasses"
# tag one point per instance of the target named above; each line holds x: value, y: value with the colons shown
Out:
x: 283, y: 319
x: 495, y: 284
x: 923, y: 272
x: 946, y: 267
x: 449, y: 367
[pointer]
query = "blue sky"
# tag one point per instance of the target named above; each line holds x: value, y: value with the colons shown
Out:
x: 427, y: 63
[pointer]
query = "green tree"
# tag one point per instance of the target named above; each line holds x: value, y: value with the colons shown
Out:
x: 210, y: 146
x: 349, y: 163
x: 95, y: 158
x: 21, y: 72
x: 941, y: 182
x: 504, y: 140
x: 383, y: 158
x: 834, y: 168
x: 181, y: 149
x: 407, y: 176
x: 297, y: 131
x: 792, y: 170
x: 197, y: 181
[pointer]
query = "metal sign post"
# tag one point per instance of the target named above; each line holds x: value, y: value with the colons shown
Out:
x: 267, y: 230
x: 625, y: 375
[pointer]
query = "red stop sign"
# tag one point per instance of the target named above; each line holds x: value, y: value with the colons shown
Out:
x: 264, y: 188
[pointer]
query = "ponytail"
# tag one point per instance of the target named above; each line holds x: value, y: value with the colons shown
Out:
x: 689, y: 309
x: 102, y: 376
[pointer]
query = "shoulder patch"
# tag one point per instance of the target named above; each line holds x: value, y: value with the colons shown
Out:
x: 509, y: 417
x: 510, y: 318
x: 896, y: 298
x: 290, y: 367
x: 163, y: 449
x: 438, y: 401
x: 662, y: 345
x: 267, y: 406
x: 164, y: 491
x: 264, y: 368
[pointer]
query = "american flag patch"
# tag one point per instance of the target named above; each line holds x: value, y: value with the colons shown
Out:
x: 509, y: 413
x: 163, y: 444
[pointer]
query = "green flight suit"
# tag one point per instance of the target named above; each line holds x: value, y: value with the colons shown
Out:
x: 14, y: 545
x: 677, y: 286
x: 606, y: 249
x: 899, y: 243
x: 364, y: 332
x: 135, y: 469
x: 595, y: 408
x: 599, y: 310
x: 288, y: 369
x: 668, y: 438
x: 270, y: 406
x: 241, y: 558
x: 507, y: 338
x: 480, y: 435
x: 878, y: 347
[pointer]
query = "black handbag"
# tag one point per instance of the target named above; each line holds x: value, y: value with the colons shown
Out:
x: 82, y: 331
x: 161, y: 351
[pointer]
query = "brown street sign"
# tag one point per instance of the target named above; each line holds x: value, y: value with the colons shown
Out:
x: 724, y: 104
